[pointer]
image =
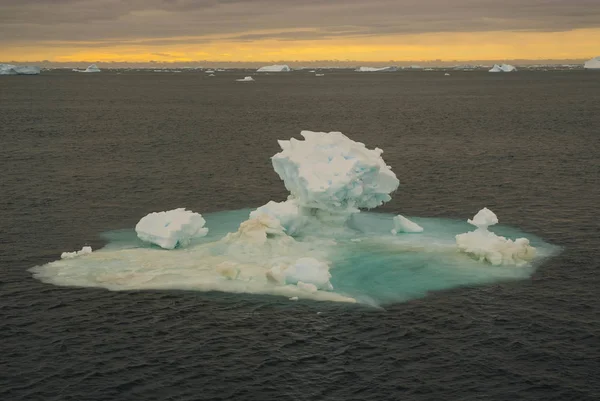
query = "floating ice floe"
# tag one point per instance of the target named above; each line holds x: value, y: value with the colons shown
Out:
x: 503, y: 68
x: 486, y: 246
x: 319, y: 75
x: 274, y: 68
x: 377, y: 69
x: 86, y: 250
x: 171, y: 229
x: 593, y: 64
x: 9, y: 69
x: 404, y: 225
x: 245, y: 79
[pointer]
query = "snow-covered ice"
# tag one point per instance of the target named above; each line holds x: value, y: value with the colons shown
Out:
x: 86, y: 250
x: 377, y: 69
x: 503, y: 68
x: 404, y: 225
x: 485, y: 246
x: 593, y: 64
x: 330, y: 172
x: 171, y: 229
x: 9, y: 69
x: 274, y: 68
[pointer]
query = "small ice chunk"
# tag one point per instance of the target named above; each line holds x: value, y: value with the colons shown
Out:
x: 86, y: 250
x: 293, y: 298
x: 486, y: 246
x: 484, y: 218
x: 305, y: 271
x: 245, y: 79
x: 404, y: 225
x: 171, y: 229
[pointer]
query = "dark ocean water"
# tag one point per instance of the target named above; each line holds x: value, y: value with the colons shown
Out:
x: 83, y: 154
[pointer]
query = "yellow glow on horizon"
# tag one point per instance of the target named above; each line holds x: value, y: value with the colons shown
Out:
x: 576, y: 44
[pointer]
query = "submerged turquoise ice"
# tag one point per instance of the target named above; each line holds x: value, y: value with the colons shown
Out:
x: 368, y: 264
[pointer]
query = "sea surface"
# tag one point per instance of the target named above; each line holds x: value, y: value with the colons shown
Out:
x: 83, y: 154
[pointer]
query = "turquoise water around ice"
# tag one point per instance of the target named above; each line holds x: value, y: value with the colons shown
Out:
x: 368, y: 263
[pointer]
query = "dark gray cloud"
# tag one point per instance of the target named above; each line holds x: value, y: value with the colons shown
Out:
x: 119, y: 21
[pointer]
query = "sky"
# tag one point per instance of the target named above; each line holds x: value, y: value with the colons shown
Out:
x: 303, y: 30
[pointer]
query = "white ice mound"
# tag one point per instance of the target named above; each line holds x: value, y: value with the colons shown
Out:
x: 377, y: 69
x: 171, y: 229
x: 92, y: 68
x: 288, y: 213
x: 503, y: 68
x: 484, y: 218
x: 308, y: 274
x: 404, y: 225
x: 593, y: 64
x: 274, y: 68
x: 71, y: 255
x: 245, y: 79
x: 486, y: 246
x: 329, y: 171
x: 9, y: 69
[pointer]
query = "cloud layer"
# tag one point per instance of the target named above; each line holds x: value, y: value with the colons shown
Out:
x: 107, y: 21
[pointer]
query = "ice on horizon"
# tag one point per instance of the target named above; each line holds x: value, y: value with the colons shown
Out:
x: 503, y: 68
x: 274, y: 68
x: 245, y: 79
x: 593, y: 64
x: 9, y: 69
x: 377, y: 69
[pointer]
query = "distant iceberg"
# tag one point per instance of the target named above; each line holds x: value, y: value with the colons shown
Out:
x: 593, y: 64
x: 503, y: 68
x: 92, y: 68
x: 171, y: 229
x: 9, y: 69
x: 245, y: 79
x: 376, y: 69
x: 274, y: 68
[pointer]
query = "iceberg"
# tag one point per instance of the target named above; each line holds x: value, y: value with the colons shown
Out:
x: 593, y: 64
x: 503, y: 68
x: 485, y: 246
x: 94, y: 68
x: 274, y: 68
x: 377, y: 69
x: 86, y: 250
x: 404, y: 225
x: 9, y: 69
x: 171, y: 229
x: 332, y: 173
x: 245, y: 79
